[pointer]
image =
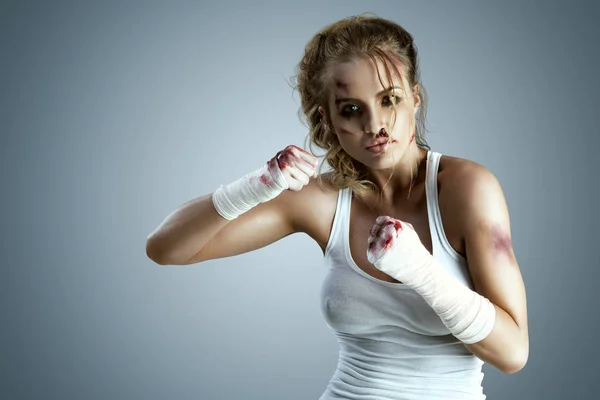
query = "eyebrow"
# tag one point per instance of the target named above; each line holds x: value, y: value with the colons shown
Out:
x: 390, y: 89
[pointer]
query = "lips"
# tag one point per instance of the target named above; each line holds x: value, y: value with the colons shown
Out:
x: 379, y: 142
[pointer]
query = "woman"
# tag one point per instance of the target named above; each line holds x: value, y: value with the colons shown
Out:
x: 422, y: 284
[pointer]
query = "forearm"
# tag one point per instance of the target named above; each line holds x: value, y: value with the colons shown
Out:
x: 183, y: 236
x: 487, y: 330
x: 506, y: 347
x: 185, y: 231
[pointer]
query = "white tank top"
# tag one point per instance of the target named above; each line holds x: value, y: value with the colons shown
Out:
x: 392, y: 344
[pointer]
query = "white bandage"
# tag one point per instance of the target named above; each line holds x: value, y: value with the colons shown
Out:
x: 258, y: 186
x: 399, y: 253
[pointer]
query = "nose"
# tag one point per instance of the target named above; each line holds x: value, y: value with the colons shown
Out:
x: 375, y: 124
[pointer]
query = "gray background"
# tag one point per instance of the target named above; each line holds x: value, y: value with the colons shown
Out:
x: 112, y: 114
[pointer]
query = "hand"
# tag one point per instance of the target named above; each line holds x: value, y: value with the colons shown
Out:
x: 394, y: 248
x: 295, y: 164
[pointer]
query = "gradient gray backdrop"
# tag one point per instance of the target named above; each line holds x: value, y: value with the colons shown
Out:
x: 113, y: 114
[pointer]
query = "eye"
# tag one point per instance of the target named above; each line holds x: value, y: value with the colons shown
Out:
x: 389, y: 101
x: 349, y: 110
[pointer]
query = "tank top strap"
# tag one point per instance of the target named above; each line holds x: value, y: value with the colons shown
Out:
x: 433, y: 210
x: 340, y: 221
x: 436, y: 227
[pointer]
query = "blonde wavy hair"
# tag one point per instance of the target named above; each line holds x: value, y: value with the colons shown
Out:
x: 356, y: 37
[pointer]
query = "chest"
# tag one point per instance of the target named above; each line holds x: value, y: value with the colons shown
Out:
x: 416, y: 213
x: 361, y: 218
x: 361, y: 307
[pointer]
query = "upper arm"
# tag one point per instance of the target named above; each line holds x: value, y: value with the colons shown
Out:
x: 485, y: 225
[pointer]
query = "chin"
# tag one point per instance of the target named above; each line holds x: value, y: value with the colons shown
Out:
x: 383, y: 163
x: 385, y: 160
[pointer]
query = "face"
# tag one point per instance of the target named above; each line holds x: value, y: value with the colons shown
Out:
x: 361, y: 111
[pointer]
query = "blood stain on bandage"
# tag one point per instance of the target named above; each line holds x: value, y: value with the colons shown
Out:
x: 286, y: 159
x: 282, y: 164
x: 388, y: 242
x: 265, y: 179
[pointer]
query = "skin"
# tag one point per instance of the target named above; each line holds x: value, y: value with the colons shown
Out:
x: 358, y: 103
x: 472, y: 205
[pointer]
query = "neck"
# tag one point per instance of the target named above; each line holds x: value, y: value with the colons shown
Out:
x: 398, y: 182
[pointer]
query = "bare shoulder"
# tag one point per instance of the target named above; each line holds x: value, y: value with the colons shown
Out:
x: 460, y: 178
x: 464, y: 186
x: 313, y: 208
x: 453, y: 168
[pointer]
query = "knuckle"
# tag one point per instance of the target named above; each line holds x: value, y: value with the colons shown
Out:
x: 287, y: 157
x: 291, y: 149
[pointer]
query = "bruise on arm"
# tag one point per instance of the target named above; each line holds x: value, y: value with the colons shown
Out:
x: 501, y: 241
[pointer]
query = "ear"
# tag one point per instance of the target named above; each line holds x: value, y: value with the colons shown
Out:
x: 416, y: 96
x: 325, y: 120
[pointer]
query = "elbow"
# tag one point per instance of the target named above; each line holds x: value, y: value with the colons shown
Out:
x: 516, y: 363
x: 154, y: 252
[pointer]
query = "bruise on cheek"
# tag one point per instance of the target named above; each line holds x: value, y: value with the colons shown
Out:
x: 501, y: 242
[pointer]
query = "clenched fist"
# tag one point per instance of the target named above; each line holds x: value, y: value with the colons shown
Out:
x: 291, y: 168
x: 395, y: 249
x: 296, y: 165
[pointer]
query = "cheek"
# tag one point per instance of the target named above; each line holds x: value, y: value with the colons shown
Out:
x: 347, y: 132
x: 348, y: 142
x: 346, y: 127
x: 402, y: 128
x: 402, y: 119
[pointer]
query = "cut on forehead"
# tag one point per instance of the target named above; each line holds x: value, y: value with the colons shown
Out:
x: 388, y: 71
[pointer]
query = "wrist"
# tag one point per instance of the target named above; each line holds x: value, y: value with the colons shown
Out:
x: 469, y: 316
x: 258, y: 186
x: 410, y: 268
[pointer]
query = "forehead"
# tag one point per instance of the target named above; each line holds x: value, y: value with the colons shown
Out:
x: 362, y: 75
